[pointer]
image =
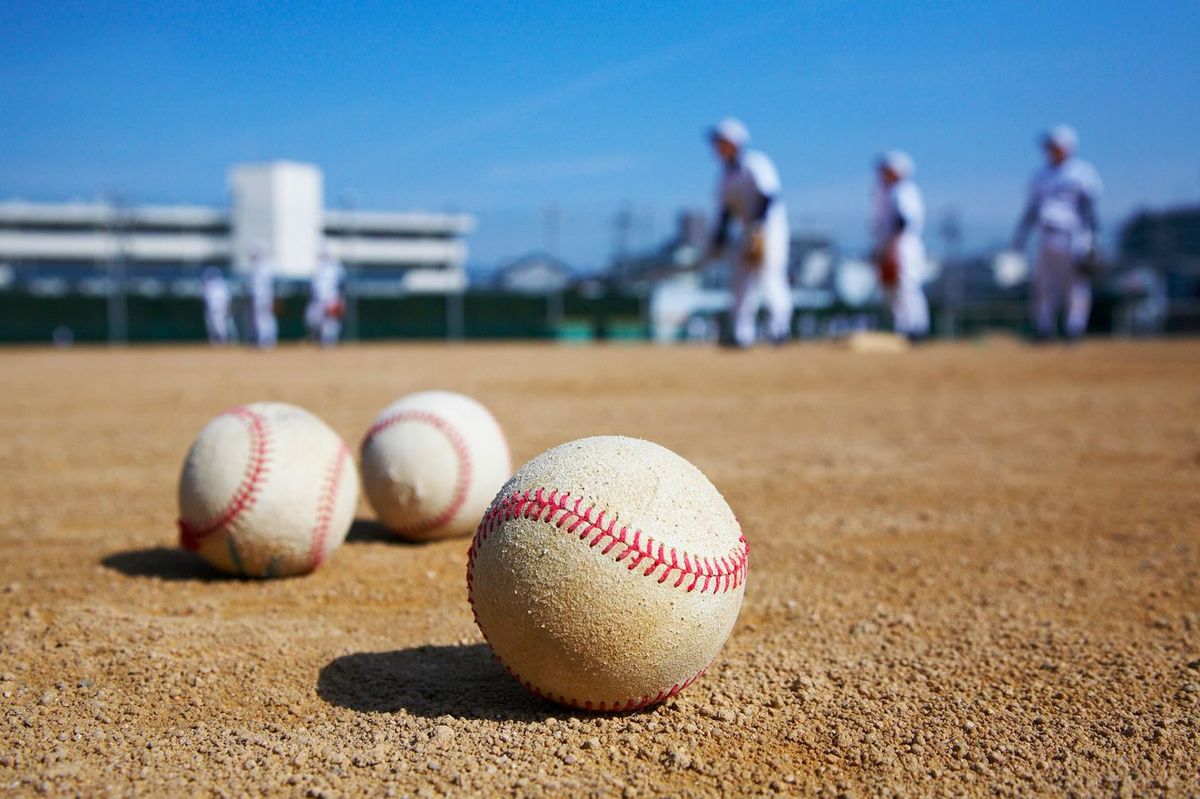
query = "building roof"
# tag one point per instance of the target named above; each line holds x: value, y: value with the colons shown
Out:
x: 537, y: 272
x: 101, y: 214
x: 398, y: 222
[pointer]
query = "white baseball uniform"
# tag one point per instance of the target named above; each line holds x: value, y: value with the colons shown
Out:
x: 1062, y: 206
x: 900, y: 212
x: 321, y: 315
x: 742, y: 190
x: 262, y: 303
x: 217, y: 319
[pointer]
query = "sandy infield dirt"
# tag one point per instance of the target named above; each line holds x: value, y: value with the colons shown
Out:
x: 974, y: 569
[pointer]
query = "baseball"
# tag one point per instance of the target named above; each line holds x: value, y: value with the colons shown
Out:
x: 267, y: 490
x: 607, y: 573
x: 431, y: 462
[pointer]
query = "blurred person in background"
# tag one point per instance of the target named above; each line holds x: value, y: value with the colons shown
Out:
x: 748, y: 194
x: 218, y: 320
x: 1062, y: 206
x: 899, y: 252
x: 323, y: 316
x: 263, y: 327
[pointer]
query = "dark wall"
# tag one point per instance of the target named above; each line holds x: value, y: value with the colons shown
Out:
x: 25, y: 318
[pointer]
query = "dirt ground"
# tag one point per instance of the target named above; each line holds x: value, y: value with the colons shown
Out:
x: 975, y: 569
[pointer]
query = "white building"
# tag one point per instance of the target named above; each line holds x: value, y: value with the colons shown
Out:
x: 536, y: 273
x: 276, y: 206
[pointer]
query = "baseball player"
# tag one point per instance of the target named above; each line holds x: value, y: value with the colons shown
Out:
x: 262, y: 300
x: 217, y: 319
x: 748, y: 194
x: 899, y: 251
x: 1062, y: 206
x: 324, y: 312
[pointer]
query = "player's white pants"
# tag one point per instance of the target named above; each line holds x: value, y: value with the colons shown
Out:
x: 1057, y: 282
x: 910, y: 309
x: 330, y: 332
x: 219, y: 326
x: 325, y: 327
x: 754, y: 286
x: 327, y: 330
x: 266, y: 329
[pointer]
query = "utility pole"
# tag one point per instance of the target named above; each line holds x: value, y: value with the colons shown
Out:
x: 952, y: 273
x: 456, y: 314
x: 622, y: 229
x: 349, y: 203
x: 551, y: 227
x: 118, y: 311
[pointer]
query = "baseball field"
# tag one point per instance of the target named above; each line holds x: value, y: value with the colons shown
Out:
x: 974, y: 570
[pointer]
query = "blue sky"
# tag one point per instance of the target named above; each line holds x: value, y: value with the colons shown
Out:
x: 506, y: 110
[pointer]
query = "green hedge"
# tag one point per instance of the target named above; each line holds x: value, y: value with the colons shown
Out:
x: 485, y: 315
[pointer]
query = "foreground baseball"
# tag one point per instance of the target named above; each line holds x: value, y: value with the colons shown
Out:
x: 607, y: 573
x: 431, y: 462
x: 267, y: 490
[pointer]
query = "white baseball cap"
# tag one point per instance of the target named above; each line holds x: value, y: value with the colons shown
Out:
x: 899, y: 162
x: 1062, y: 136
x: 730, y: 130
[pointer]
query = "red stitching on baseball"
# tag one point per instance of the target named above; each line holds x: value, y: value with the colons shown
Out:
x: 191, y: 535
x: 729, y: 571
x: 326, y: 505
x: 721, y: 575
x: 462, y: 454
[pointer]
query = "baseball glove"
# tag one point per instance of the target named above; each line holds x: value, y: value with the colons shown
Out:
x: 1089, y: 265
x: 889, y: 267
x: 755, y: 249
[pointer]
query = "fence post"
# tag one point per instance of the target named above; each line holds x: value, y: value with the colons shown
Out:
x: 554, y: 311
x: 454, y: 315
x: 118, y: 312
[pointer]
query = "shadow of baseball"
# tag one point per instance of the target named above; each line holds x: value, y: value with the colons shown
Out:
x: 464, y: 681
x: 165, y: 563
x: 365, y: 530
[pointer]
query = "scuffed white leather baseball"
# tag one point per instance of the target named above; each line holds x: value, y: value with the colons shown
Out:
x: 267, y: 490
x: 607, y: 573
x: 431, y: 462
